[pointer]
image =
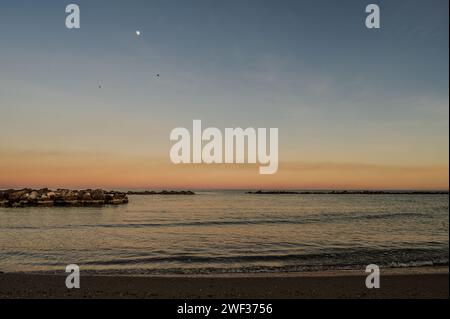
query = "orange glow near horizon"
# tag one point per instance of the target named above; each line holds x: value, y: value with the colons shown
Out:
x: 99, y: 171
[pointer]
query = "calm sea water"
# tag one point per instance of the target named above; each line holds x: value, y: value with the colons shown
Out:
x: 229, y: 231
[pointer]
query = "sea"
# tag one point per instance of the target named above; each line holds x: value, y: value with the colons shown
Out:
x: 223, y: 232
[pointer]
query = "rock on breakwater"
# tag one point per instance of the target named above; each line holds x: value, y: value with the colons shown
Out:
x: 61, y: 197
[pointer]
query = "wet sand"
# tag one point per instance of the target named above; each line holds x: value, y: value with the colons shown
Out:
x: 431, y: 282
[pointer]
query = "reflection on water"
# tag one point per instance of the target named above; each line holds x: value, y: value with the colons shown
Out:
x: 229, y: 231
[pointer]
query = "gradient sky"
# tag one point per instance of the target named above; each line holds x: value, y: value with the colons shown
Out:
x: 355, y: 108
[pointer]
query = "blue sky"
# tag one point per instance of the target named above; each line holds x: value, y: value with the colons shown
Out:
x: 337, y: 91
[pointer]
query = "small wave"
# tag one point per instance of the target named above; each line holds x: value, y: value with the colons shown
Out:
x: 246, y: 269
x: 347, y: 257
x: 391, y: 215
x: 299, y: 220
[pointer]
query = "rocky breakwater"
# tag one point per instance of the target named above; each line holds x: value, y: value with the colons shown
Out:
x: 61, y: 197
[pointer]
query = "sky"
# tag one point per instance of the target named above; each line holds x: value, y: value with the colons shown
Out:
x: 355, y: 108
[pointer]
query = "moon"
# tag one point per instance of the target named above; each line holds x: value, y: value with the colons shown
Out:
x: 138, y: 33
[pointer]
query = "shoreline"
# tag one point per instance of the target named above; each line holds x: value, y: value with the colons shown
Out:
x: 413, y: 270
x: 415, y: 282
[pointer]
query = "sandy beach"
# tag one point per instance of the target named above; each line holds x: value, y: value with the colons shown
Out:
x: 423, y: 282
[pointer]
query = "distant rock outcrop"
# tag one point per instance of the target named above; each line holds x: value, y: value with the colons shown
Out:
x: 160, y: 193
x: 350, y: 192
x: 61, y: 197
